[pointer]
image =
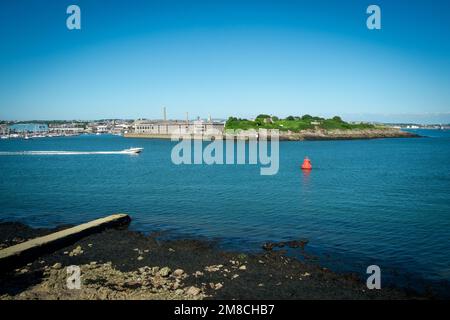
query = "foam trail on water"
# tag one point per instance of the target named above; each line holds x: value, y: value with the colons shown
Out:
x: 58, y: 153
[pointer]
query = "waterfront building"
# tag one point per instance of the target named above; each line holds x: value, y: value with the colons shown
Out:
x: 120, y: 128
x: 4, y: 129
x: 66, y: 130
x: 102, y: 129
x: 169, y: 127
x: 29, y: 127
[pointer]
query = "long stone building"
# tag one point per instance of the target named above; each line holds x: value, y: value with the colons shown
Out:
x: 173, y: 127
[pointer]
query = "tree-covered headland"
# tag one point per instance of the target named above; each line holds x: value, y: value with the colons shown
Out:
x: 294, y: 123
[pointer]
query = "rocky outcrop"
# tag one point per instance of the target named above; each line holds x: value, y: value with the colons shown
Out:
x: 320, y: 134
x: 176, y: 269
x: 103, y: 281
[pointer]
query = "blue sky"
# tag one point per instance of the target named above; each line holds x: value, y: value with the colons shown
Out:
x: 225, y: 58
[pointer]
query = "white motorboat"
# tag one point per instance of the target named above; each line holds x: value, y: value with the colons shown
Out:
x: 133, y: 150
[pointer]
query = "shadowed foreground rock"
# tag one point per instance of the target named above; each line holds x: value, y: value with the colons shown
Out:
x: 121, y: 264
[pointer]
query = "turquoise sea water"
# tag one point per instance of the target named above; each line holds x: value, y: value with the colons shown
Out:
x: 384, y: 202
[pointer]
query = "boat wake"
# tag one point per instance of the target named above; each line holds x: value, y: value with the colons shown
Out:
x: 132, y: 151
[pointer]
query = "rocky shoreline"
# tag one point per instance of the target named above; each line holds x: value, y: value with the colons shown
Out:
x: 346, y: 134
x: 308, y: 135
x: 123, y: 264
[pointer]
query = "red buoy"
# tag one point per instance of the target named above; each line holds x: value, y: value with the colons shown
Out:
x: 306, y: 164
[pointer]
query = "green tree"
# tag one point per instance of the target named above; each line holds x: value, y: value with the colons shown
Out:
x: 259, y: 121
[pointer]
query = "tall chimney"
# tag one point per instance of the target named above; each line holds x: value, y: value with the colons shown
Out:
x: 187, y: 117
x: 165, y: 115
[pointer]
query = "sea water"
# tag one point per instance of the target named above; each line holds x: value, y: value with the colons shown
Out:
x: 383, y: 201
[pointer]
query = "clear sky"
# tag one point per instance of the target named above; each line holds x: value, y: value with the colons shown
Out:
x: 225, y: 57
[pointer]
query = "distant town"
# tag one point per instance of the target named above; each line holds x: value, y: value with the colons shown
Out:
x: 33, y: 129
x: 55, y: 128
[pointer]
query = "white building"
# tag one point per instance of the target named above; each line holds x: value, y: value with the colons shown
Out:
x: 66, y: 130
x: 120, y: 128
x: 102, y: 129
x: 177, y: 127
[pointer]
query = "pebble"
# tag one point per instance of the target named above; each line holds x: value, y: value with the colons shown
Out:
x: 234, y: 276
x: 76, y: 251
x: 243, y: 267
x: 178, y: 272
x: 213, y: 268
x: 57, y: 266
x: 140, y: 258
x: 179, y: 291
x: 306, y: 274
x: 215, y: 286
x: 155, y: 270
x: 164, y: 272
x: 193, y: 291
x: 171, y: 250
x: 198, y: 274
x: 143, y: 269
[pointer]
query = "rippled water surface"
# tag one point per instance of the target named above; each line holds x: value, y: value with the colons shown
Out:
x: 384, y: 202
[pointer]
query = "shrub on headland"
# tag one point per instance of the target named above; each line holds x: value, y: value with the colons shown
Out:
x: 294, y: 123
